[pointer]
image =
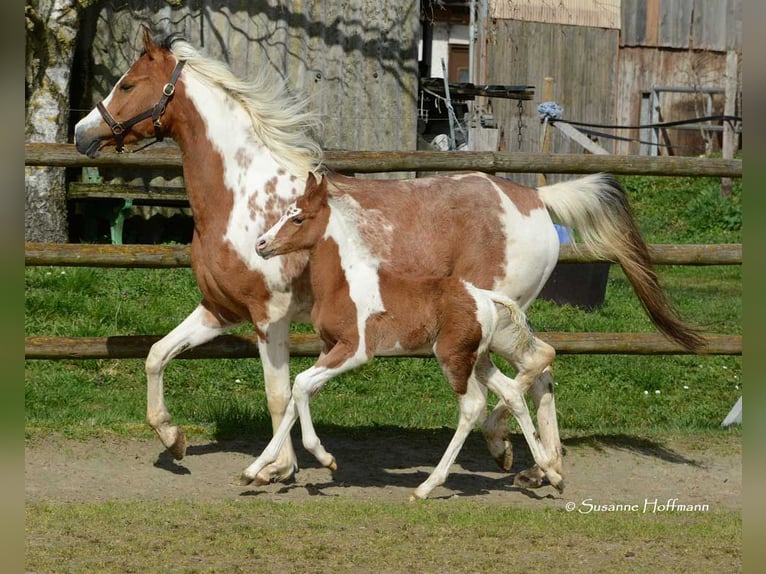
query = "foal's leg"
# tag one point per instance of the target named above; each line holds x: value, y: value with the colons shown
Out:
x: 199, y: 327
x: 306, y: 384
x: 511, y: 393
x: 497, y: 434
x: 543, y: 399
x: 472, y: 404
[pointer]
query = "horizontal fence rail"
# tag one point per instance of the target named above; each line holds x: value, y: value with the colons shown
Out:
x: 309, y: 345
x: 245, y: 346
x: 167, y: 256
x: 65, y: 155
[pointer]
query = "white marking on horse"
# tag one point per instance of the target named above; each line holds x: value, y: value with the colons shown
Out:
x: 249, y: 172
x: 359, y: 265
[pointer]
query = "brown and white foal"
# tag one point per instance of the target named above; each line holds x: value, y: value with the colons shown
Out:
x: 361, y: 310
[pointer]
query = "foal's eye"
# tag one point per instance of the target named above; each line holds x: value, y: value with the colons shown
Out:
x: 126, y: 87
x: 297, y: 220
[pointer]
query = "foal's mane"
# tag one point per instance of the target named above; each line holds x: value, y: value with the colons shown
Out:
x: 280, y: 118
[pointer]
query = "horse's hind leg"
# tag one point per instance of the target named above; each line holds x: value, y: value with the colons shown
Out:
x: 547, y: 423
x: 511, y: 393
x: 199, y: 327
x: 498, y: 436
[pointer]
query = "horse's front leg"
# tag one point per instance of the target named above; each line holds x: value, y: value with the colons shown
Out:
x: 199, y: 327
x: 275, y: 358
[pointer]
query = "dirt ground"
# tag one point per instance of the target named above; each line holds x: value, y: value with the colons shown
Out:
x: 388, y: 465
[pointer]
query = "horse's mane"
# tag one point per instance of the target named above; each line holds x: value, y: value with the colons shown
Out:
x: 281, y: 119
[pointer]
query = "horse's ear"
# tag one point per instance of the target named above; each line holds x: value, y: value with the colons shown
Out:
x: 150, y: 46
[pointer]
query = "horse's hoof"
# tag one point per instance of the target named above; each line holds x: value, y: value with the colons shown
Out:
x: 178, y: 448
x: 333, y: 466
x: 245, y: 480
x: 559, y: 486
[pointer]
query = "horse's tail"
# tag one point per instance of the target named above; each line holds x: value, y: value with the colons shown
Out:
x: 597, y: 208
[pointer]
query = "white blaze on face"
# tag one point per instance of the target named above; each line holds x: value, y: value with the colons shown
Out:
x: 93, y: 119
x: 359, y: 265
x: 256, y: 180
x: 292, y: 211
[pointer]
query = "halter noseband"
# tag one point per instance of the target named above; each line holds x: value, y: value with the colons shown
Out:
x: 120, y: 128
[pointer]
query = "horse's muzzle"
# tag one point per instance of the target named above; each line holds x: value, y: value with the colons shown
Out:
x: 87, y: 145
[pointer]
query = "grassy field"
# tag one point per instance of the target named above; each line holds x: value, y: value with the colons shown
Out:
x: 217, y: 399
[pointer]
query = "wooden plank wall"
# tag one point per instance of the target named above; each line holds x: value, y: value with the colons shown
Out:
x: 682, y: 24
x: 583, y: 62
x: 674, y: 43
x: 358, y: 60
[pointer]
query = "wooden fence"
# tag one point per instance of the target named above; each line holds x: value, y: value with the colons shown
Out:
x: 238, y: 346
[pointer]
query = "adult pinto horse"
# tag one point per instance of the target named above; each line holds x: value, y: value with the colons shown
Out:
x: 247, y: 147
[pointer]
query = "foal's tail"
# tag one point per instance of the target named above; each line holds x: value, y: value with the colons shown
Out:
x: 596, y: 206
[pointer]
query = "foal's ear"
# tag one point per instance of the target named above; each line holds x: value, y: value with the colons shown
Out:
x: 316, y: 192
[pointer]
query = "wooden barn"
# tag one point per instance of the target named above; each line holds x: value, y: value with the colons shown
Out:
x: 611, y: 62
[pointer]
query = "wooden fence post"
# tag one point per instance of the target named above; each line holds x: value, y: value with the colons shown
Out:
x: 545, y: 146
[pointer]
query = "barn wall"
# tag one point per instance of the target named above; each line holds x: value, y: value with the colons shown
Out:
x: 583, y: 62
x: 357, y: 60
x: 676, y: 43
x: 682, y: 24
x: 643, y: 68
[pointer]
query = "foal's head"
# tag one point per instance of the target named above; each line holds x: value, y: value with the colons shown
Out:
x: 302, y: 225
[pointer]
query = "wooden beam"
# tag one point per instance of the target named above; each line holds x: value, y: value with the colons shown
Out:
x: 164, y: 256
x: 65, y: 155
x: 576, y: 135
x: 308, y: 345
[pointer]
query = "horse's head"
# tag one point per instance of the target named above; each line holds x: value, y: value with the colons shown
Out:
x: 301, y: 225
x: 135, y: 108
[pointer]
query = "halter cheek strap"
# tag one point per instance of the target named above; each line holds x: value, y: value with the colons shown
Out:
x: 120, y: 128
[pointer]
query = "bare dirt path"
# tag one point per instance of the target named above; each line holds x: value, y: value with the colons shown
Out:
x: 388, y: 465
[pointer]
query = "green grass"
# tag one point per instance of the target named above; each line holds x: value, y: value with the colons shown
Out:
x: 638, y: 397
x: 225, y: 398
x: 341, y: 536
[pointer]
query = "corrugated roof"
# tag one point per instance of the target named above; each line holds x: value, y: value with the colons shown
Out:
x: 594, y: 13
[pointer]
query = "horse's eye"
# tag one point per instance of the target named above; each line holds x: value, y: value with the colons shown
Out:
x: 297, y: 220
x: 126, y: 87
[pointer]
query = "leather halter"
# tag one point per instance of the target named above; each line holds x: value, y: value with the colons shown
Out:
x: 120, y: 128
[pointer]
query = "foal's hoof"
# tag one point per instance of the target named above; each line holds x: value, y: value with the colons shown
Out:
x: 530, y: 478
x: 174, y: 440
x: 245, y: 480
x: 333, y: 466
x: 505, y: 460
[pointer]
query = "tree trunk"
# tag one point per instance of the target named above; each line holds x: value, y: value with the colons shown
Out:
x: 51, y: 34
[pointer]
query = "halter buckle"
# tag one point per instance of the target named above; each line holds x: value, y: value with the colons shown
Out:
x: 168, y: 89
